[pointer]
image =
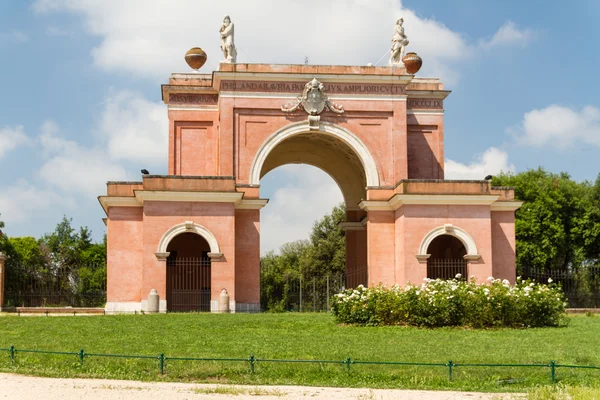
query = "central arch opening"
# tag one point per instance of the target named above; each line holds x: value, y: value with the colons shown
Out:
x: 327, y: 153
x: 332, y: 174
x: 188, y: 273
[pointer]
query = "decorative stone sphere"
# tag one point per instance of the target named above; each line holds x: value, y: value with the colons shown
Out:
x: 195, y: 57
x: 412, y: 62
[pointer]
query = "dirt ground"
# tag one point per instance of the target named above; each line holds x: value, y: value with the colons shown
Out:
x: 18, y: 387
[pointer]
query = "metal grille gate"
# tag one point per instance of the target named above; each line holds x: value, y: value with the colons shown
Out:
x: 446, y: 268
x: 188, y: 283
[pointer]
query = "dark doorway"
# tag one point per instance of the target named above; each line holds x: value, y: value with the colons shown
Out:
x: 188, y: 274
x: 447, y: 258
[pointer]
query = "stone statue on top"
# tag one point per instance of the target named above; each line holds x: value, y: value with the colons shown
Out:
x: 399, y: 43
x: 227, y: 43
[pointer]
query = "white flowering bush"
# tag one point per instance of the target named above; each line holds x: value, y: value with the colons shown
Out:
x: 455, y: 302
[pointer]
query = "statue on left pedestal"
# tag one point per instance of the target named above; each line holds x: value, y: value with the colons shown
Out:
x: 227, y: 43
x: 399, y: 43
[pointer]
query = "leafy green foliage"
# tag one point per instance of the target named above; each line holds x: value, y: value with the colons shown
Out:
x: 323, y: 254
x: 65, y: 259
x: 62, y: 244
x: 558, y: 226
x: 26, y: 251
x: 438, y: 303
x: 327, y: 251
x: 276, y: 271
x: 2, y: 237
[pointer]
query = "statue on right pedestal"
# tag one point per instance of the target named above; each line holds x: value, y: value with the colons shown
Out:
x: 227, y: 42
x: 399, y: 42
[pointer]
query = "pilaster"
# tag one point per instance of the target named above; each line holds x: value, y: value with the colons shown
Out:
x: 381, y: 247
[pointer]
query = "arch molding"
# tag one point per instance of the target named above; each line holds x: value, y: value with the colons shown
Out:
x: 188, y: 227
x: 326, y: 128
x: 449, y: 229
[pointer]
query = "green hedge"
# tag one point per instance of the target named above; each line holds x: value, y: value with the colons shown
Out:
x: 454, y: 302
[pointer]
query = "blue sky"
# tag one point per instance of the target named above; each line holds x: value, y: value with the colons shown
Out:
x: 81, y: 99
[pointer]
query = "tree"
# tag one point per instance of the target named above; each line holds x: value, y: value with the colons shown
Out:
x: 588, y: 227
x: 66, y: 261
x: 26, y: 251
x: 83, y: 240
x: 1, y: 234
x: 326, y: 254
x: 558, y: 225
x: 304, y: 262
x: 94, y: 253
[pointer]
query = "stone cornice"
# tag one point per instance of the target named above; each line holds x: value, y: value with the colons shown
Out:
x: 294, y: 95
x: 155, y: 195
x: 459, y: 199
x: 436, y: 94
x: 306, y: 77
x: 506, y: 205
x: 213, y: 197
x: 352, y: 226
x: 118, y: 201
x: 375, y: 205
x: 251, y: 204
x: 399, y: 200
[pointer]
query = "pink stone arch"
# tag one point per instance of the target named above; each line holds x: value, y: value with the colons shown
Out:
x: 188, y: 227
x: 326, y: 128
x: 449, y: 229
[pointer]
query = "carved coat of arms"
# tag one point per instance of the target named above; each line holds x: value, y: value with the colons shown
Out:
x: 313, y: 100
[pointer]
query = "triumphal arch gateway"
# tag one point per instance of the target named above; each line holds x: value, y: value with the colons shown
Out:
x: 377, y: 131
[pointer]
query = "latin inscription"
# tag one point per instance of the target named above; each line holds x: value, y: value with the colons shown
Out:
x: 298, y: 87
x: 425, y: 104
x: 193, y: 98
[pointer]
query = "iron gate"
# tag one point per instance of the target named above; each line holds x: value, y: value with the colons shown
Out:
x: 188, y: 283
x: 446, y: 268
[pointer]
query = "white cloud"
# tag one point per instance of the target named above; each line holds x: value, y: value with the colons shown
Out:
x: 11, y: 138
x: 23, y: 202
x: 559, y: 126
x: 136, y: 129
x: 74, y: 168
x: 150, y: 38
x: 491, y: 162
x: 508, y: 34
x: 308, y: 194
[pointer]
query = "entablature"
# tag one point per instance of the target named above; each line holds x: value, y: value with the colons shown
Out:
x: 213, y: 189
x: 202, y: 91
x: 440, y: 192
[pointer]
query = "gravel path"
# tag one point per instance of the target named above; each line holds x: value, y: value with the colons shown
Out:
x: 18, y: 387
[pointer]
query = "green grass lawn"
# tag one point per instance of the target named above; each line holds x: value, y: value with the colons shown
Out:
x: 300, y: 336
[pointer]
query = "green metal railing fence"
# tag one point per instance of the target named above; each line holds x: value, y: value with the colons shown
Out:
x: 253, y: 361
